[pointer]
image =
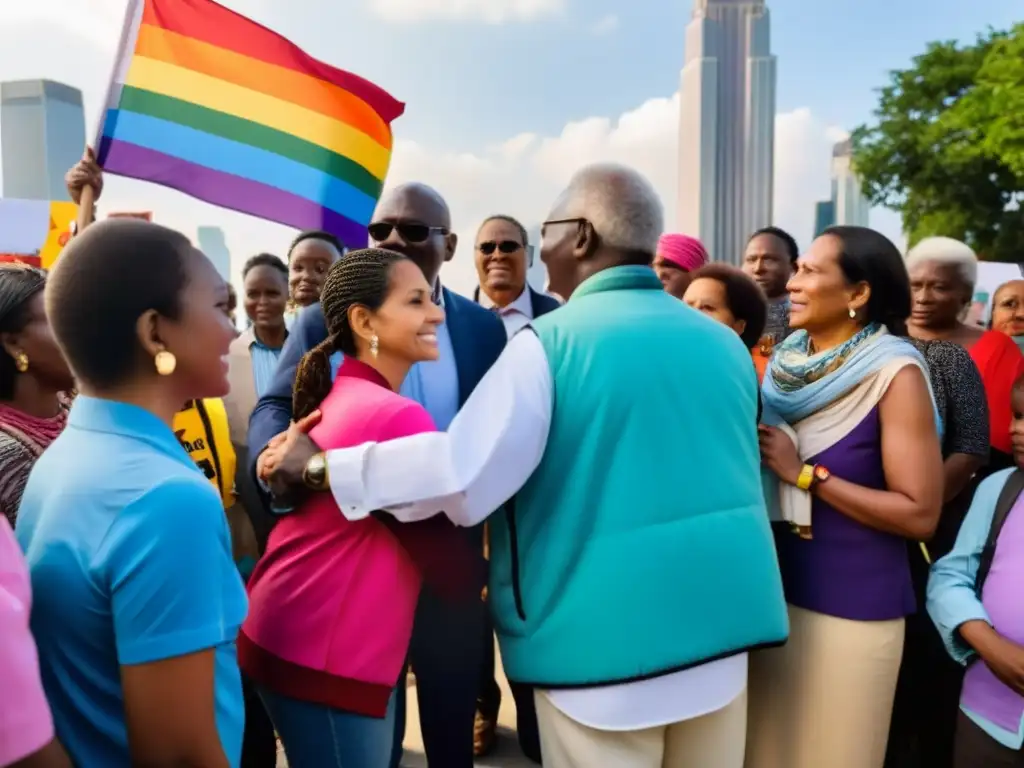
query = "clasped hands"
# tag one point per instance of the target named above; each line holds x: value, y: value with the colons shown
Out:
x: 284, y: 459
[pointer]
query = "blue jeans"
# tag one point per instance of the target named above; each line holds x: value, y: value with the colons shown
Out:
x: 315, y: 736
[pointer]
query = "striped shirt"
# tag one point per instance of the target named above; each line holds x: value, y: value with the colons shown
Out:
x: 264, y: 363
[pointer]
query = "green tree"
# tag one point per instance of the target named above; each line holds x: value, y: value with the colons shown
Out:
x: 946, y: 148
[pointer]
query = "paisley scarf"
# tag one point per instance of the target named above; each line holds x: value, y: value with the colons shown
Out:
x: 799, y: 383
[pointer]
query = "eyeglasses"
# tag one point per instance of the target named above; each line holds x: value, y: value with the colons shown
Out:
x: 546, y: 224
x: 410, y: 233
x: 505, y: 246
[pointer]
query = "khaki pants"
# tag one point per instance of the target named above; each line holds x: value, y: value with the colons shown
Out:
x: 715, y: 740
x: 824, y: 700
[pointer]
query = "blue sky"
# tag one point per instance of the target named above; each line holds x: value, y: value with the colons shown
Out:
x: 502, y: 110
x: 491, y: 81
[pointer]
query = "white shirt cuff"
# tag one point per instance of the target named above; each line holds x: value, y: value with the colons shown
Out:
x: 345, y: 470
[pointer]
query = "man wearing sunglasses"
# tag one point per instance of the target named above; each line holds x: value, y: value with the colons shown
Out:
x: 447, y: 649
x: 502, y: 260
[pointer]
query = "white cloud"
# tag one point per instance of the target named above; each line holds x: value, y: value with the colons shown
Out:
x: 520, y: 176
x: 523, y: 175
x: 605, y: 25
x: 488, y: 11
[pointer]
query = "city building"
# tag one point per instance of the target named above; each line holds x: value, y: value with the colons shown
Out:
x: 824, y: 216
x: 726, y: 126
x: 211, y: 242
x: 537, y: 273
x: 847, y: 204
x: 42, y: 134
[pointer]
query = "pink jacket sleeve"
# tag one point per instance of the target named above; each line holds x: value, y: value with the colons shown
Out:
x: 25, y: 722
x: 443, y: 552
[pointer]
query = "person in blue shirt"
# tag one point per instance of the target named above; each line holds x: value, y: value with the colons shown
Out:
x: 137, y: 601
x: 974, y: 600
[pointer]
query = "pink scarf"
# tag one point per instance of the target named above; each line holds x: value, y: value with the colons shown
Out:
x: 35, y: 433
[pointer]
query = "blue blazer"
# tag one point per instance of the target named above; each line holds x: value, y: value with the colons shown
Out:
x: 540, y: 303
x: 477, y: 334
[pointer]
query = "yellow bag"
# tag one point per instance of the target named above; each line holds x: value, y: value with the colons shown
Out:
x: 202, y: 428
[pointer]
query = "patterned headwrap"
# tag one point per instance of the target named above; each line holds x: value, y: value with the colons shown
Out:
x: 682, y: 250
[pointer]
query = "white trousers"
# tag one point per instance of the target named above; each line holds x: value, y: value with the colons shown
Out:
x: 715, y: 740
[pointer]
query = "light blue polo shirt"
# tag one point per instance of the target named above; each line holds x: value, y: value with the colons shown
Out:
x: 130, y: 557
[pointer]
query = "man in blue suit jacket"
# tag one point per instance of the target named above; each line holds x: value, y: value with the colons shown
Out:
x: 503, y: 259
x: 448, y: 647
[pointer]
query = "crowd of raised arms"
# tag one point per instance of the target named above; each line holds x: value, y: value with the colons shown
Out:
x: 715, y: 517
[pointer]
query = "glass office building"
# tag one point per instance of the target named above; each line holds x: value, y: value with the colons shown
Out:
x: 42, y: 134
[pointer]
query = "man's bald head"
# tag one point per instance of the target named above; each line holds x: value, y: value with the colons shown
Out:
x: 413, y: 219
x: 415, y: 201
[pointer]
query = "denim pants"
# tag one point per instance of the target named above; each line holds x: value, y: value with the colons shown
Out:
x: 315, y: 736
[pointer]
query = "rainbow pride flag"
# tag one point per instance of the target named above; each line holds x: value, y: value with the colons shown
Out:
x: 210, y: 103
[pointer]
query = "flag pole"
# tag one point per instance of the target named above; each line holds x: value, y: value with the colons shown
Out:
x: 129, y: 31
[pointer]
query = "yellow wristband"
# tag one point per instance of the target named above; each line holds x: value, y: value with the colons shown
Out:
x: 806, y: 477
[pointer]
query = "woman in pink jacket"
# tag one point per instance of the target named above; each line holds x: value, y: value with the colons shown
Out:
x: 332, y: 601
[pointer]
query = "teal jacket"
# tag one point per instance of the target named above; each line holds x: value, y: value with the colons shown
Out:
x: 641, y: 544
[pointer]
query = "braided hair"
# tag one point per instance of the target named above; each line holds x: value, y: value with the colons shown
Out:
x: 19, y: 284
x: 362, y: 278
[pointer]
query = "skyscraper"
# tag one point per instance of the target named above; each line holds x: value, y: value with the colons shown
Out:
x: 847, y: 204
x: 42, y: 134
x: 727, y: 126
x: 212, y: 243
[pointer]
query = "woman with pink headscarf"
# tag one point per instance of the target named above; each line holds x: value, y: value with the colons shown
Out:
x: 678, y: 257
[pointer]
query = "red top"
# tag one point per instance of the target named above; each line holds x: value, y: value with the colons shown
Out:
x: 1000, y: 363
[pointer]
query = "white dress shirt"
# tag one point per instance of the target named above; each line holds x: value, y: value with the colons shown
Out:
x: 515, y: 315
x: 488, y: 453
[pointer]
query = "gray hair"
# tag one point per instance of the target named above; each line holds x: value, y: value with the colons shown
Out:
x: 946, y: 250
x: 619, y: 202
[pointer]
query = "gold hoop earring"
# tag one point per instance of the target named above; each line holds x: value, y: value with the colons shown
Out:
x: 853, y: 314
x: 165, y: 362
x: 374, y: 346
x: 21, y: 362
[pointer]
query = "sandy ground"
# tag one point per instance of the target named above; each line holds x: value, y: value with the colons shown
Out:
x: 506, y: 755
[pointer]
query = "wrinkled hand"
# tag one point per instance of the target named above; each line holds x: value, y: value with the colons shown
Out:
x: 85, y: 173
x: 283, y: 461
x: 779, y: 454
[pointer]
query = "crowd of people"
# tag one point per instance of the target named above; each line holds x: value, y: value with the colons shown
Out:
x: 716, y: 517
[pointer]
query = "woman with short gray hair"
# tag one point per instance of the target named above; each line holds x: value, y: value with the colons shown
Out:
x: 943, y: 272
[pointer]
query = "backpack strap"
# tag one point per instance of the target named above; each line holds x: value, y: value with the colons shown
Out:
x: 1007, y: 498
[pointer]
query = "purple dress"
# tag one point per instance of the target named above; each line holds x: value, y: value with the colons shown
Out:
x: 847, y: 569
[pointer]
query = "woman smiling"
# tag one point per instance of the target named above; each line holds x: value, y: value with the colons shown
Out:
x: 858, y: 398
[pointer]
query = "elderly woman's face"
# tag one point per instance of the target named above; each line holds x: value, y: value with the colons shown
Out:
x: 1008, y: 308
x: 939, y: 294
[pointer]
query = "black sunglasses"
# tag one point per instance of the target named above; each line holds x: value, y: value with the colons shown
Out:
x: 410, y: 233
x: 505, y: 246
